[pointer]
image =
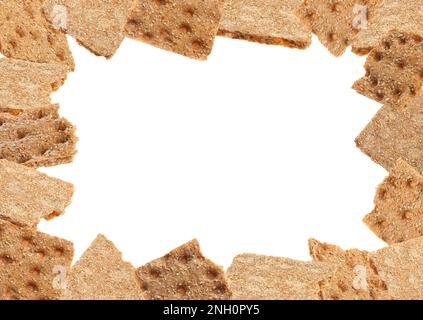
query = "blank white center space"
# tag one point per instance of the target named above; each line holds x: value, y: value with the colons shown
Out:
x: 251, y: 151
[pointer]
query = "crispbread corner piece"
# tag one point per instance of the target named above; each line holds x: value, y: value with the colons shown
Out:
x: 33, y: 265
x: 182, y: 26
x: 398, y: 212
x: 394, y: 70
x: 270, y: 22
x: 183, y: 274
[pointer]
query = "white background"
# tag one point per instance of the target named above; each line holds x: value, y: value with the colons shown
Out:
x: 251, y: 151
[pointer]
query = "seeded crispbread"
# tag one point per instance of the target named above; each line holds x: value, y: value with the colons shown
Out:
x: 183, y: 274
x: 25, y: 34
x: 33, y: 265
x: 96, y: 24
x: 269, y: 22
x: 335, y: 22
x: 101, y: 274
x: 394, y: 134
x: 186, y: 27
x: 255, y: 277
x: 28, y: 195
x: 387, y: 15
x: 352, y: 273
x: 398, y: 212
x: 394, y: 70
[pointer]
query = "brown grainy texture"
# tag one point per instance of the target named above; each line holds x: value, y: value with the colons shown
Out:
x: 394, y: 70
x: 258, y: 277
x: 37, y: 137
x: 101, y: 274
x: 96, y: 24
x: 183, y: 274
x: 25, y: 34
x: 28, y: 195
x: 264, y: 21
x: 26, y: 85
x: 401, y: 267
x: 33, y: 265
x: 334, y: 22
x: 187, y: 27
x: 398, y: 212
x: 387, y: 15
x: 394, y: 134
x: 352, y: 274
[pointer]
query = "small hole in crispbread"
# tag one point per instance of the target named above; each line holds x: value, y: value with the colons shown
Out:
x: 34, y: 35
x: 373, y: 81
x: 182, y: 289
x: 342, y: 286
x: 212, y: 273
x: 40, y: 253
x: 405, y: 215
x: 378, y: 56
x: 335, y: 7
x: 6, y: 258
x: 20, y: 32
x: 26, y: 240
x: 13, y: 44
x: 60, y: 56
x: 379, y: 221
x: 62, y: 126
x: 160, y: 2
x: 403, y: 40
x: 31, y: 285
x: 413, y: 91
x: 59, y: 251
x: 36, y: 270
x: 144, y: 286
x: 380, y: 95
x: 50, y: 39
x: 397, y: 92
x: 21, y: 134
x: 220, y: 288
x: 185, y: 27
x: 154, y: 273
x: 400, y: 64
x: 148, y: 35
x: 197, y: 44
x: 331, y: 36
x: 387, y: 44
x: 186, y: 257
x: 61, y: 139
x: 411, y: 183
x: 23, y: 159
x: 189, y: 11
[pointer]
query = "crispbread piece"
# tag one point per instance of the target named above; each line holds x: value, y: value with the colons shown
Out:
x: 26, y: 85
x: 335, y: 22
x: 97, y: 24
x: 264, y: 21
x: 255, y: 277
x: 101, y: 274
x: 352, y: 274
x: 185, y: 274
x: 394, y: 134
x: 33, y: 265
x: 25, y: 34
x: 387, y: 15
x: 394, y: 70
x: 187, y: 27
x: 398, y: 212
x: 401, y: 267
x: 28, y: 195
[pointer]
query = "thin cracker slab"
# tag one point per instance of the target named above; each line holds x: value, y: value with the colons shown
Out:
x: 398, y: 212
x: 265, y: 21
x: 394, y: 70
x: 183, y: 274
x: 394, y: 134
x: 25, y: 34
x: 33, y: 265
x: 96, y: 24
x: 101, y: 274
x: 187, y: 27
x: 255, y: 277
x: 28, y: 195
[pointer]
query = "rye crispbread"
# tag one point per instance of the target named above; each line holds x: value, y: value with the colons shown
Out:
x: 269, y: 21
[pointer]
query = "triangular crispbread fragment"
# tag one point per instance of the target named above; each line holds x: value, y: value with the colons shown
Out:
x: 394, y: 70
x: 101, y: 274
x: 33, y: 265
x: 398, y: 212
x: 269, y: 22
x: 183, y: 274
x: 28, y: 195
x: 25, y: 34
x: 394, y: 134
x: 96, y: 24
x: 352, y: 274
x: 255, y: 277
x: 387, y: 15
x: 335, y: 22
x: 186, y: 27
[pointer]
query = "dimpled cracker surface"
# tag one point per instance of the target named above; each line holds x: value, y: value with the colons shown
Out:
x: 394, y: 134
x: 101, y: 274
x: 25, y: 34
x: 33, y: 265
x: 387, y: 15
x: 264, y: 21
x: 97, y: 24
x: 398, y: 212
x: 187, y: 27
x: 28, y: 195
x: 394, y: 70
x: 335, y: 22
x: 183, y: 274
x: 259, y: 277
